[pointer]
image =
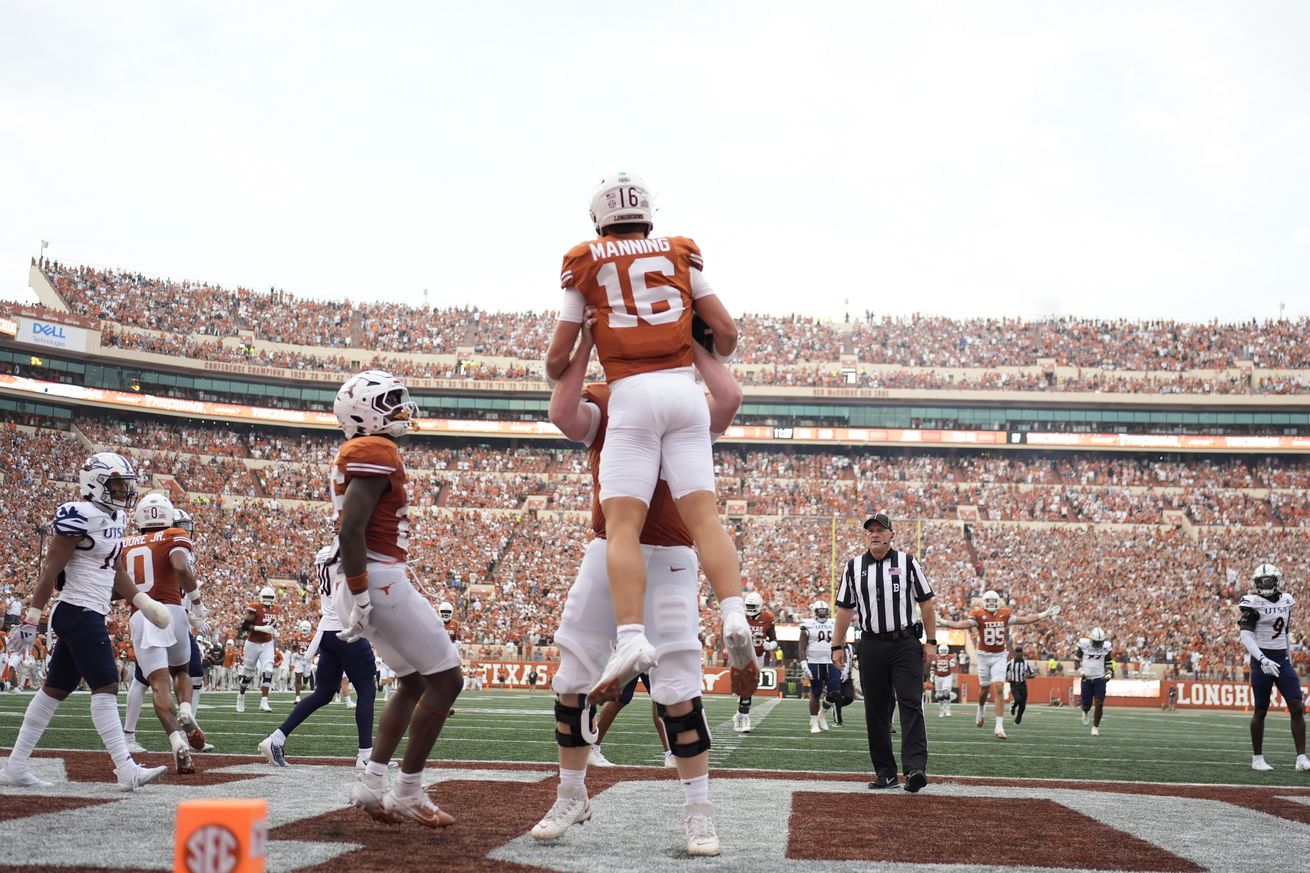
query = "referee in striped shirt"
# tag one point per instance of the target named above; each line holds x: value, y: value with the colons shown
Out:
x: 883, y: 590
x: 1017, y: 673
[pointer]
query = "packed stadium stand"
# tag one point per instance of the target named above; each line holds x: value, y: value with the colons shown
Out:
x: 1123, y: 527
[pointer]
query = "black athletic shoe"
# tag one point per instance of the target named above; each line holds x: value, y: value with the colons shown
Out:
x: 1018, y: 719
x: 884, y: 782
x: 915, y: 781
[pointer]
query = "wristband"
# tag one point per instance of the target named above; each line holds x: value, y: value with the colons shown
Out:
x: 357, y: 584
x: 930, y: 641
x: 33, y: 615
x: 838, y: 648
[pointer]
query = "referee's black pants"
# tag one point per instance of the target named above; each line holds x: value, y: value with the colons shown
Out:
x: 1019, y: 691
x: 891, y: 672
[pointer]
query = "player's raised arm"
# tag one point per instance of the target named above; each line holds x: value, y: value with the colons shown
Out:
x: 574, y: 416
x: 716, y: 317
x: 1030, y: 619
x: 725, y: 391
x: 572, y: 319
x: 958, y: 624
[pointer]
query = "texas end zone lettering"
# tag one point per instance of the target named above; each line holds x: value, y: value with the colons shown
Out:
x: 1221, y: 695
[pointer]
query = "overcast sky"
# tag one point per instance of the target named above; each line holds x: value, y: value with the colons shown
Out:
x: 1023, y: 159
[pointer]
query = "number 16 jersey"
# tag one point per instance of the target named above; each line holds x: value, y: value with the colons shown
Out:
x: 643, y: 291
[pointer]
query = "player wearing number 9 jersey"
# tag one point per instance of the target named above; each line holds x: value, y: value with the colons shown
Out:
x: 1265, y: 622
x: 643, y: 293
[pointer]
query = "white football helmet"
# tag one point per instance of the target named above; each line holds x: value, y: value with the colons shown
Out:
x: 446, y: 610
x: 1097, y: 637
x: 943, y: 649
x: 1268, y: 581
x: 100, y: 471
x: 374, y: 402
x: 754, y: 604
x: 267, y: 596
x: 621, y: 198
x: 821, y: 610
x: 991, y: 601
x: 154, y: 510
x: 305, y: 627
x: 183, y: 519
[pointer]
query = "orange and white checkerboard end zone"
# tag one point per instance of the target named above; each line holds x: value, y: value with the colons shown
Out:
x: 221, y: 836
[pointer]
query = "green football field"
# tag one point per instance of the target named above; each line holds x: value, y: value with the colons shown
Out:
x: 1135, y: 744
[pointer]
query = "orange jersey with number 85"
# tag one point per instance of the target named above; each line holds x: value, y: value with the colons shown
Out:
x: 642, y: 291
x: 993, y: 629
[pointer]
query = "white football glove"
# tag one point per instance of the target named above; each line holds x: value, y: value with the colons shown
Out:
x: 1270, y: 667
x: 155, y: 612
x: 805, y: 667
x: 21, y: 638
x: 358, y: 626
x: 197, y: 619
x: 1053, y: 610
x: 770, y: 645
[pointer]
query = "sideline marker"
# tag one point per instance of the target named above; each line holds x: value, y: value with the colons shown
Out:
x: 221, y: 836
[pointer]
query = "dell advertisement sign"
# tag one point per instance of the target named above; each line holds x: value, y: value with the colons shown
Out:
x: 52, y: 334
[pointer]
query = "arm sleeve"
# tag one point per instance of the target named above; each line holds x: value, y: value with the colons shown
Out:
x: 846, y: 591
x: 572, y: 307
x: 700, y: 286
x: 1248, y: 640
x: 1250, y: 618
x: 594, y: 427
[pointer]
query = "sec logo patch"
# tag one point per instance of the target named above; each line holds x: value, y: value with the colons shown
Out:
x: 212, y: 849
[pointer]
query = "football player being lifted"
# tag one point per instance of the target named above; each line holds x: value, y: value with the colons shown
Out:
x: 764, y: 637
x: 642, y: 293
x: 816, y: 652
x: 157, y: 560
x: 259, y: 628
x: 1094, y: 664
x: 589, y: 626
x: 1266, y: 617
x: 81, y: 560
x: 376, y: 599
x: 992, y: 622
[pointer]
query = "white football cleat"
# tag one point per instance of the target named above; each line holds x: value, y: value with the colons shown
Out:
x: 1000, y: 733
x: 21, y: 778
x: 670, y: 761
x: 1096, y: 732
x: 702, y: 839
x: 814, y: 727
x: 133, y: 747
x: 634, y: 656
x: 1086, y: 719
x: 745, y: 722
x: 823, y: 723
x: 1258, y: 763
x: 596, y: 758
x: 370, y: 800
x: 416, y: 807
x: 263, y: 705
x: 1302, y: 762
x: 132, y: 775
x: 568, y: 810
x: 979, y: 721
x: 350, y: 703
x: 738, y: 643
x: 273, y: 753
x: 241, y: 702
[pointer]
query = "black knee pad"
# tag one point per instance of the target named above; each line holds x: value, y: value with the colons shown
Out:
x: 266, y: 680
x: 582, y: 734
x: 245, y: 681
x: 744, y: 705
x: 692, y: 721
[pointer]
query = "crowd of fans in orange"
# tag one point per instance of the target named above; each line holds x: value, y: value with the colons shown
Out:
x: 870, y: 352
x: 1164, y: 592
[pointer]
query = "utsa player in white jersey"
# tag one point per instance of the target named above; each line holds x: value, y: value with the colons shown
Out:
x: 816, y: 661
x: 335, y: 659
x: 1093, y: 662
x: 1266, y: 618
x: 645, y: 295
x: 82, y: 563
x: 589, y: 624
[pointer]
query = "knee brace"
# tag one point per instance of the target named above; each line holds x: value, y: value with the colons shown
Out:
x: 266, y: 680
x: 245, y: 682
x: 678, y: 724
x: 744, y: 705
x: 583, y: 731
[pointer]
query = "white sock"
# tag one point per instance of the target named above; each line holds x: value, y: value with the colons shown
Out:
x: 1000, y: 720
x: 366, y: 754
x: 575, y: 779
x: 696, y: 791
x: 278, y: 738
x: 814, y: 719
x: 375, y: 775
x: 136, y: 696
x: 627, y: 631
x: 409, y: 784
x: 35, y: 721
x: 196, y: 688
x: 732, y: 605
x: 104, y: 714
x: 1257, y: 759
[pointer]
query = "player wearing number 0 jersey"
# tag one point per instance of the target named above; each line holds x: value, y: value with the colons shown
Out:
x: 1266, y: 618
x: 589, y: 628
x: 643, y: 293
x: 992, y: 622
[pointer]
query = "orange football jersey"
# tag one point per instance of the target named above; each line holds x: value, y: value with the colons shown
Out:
x: 760, y: 626
x: 147, y: 560
x: 263, y: 615
x: 387, y: 533
x: 452, y: 630
x: 641, y: 289
x: 943, y: 665
x: 664, y: 526
x: 229, y: 657
x: 993, y: 629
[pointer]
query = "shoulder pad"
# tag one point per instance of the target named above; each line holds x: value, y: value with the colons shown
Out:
x: 370, y: 456
x: 1084, y: 643
x: 77, y: 518
x: 1248, y: 601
